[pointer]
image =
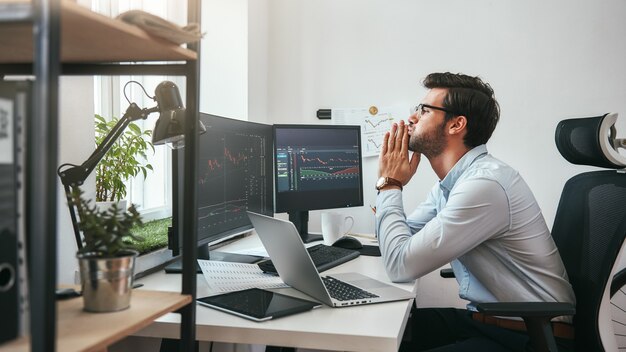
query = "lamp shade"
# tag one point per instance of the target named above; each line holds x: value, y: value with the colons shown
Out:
x: 170, y: 127
x: 167, y: 96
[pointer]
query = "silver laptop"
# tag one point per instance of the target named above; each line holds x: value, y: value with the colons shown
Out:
x: 295, y: 267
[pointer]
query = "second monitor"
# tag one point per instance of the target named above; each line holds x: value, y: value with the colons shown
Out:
x: 316, y: 167
x: 234, y: 174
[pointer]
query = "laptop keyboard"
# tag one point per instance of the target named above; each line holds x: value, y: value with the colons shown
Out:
x: 343, y: 291
x: 324, y: 257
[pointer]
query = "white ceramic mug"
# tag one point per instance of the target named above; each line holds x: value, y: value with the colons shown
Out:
x: 334, y: 226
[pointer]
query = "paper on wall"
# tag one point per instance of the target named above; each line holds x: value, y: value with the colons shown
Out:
x: 374, y: 122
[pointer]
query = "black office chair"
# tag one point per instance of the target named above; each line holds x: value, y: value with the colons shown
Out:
x: 589, y: 230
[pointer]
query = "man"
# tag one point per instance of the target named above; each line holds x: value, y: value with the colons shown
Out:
x: 481, y: 217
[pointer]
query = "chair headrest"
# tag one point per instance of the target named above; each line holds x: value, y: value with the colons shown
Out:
x: 591, y: 141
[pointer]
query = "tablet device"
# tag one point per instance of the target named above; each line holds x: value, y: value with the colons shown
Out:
x: 257, y: 304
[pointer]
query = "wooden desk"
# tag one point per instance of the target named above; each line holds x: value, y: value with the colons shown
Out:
x: 376, y: 327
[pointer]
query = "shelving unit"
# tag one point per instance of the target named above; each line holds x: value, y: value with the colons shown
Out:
x: 49, y: 38
x: 81, y: 331
x: 88, y: 37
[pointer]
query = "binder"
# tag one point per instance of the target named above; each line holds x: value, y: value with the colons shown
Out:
x: 14, y: 97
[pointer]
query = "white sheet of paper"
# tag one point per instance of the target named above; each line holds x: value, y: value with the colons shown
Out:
x: 228, y: 276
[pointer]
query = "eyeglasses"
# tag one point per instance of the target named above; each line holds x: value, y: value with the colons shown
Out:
x: 421, y: 109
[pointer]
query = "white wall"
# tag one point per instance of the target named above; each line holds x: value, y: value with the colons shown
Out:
x: 545, y: 60
x: 76, y: 109
x: 224, y: 58
x: 257, y: 59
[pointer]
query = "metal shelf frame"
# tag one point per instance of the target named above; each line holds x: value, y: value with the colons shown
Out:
x: 42, y: 160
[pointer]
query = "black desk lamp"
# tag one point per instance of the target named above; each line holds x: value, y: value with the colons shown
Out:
x: 169, y: 128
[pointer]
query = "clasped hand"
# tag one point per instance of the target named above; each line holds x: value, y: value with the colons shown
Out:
x: 394, y: 159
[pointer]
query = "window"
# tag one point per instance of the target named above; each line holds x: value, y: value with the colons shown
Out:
x: 152, y: 195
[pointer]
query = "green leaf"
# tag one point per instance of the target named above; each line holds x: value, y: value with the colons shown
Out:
x: 125, y: 159
x: 133, y: 127
x: 104, y: 231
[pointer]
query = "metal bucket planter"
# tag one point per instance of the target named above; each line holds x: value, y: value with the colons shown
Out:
x: 106, y: 282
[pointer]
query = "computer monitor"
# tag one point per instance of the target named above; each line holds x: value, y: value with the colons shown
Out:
x: 234, y: 167
x: 316, y: 167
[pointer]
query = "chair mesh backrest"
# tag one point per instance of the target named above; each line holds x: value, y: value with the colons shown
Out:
x: 589, y: 229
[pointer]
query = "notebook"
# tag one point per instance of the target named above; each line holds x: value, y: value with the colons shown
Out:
x: 295, y: 267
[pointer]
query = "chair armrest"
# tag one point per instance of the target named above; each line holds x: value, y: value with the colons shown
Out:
x: 446, y: 273
x: 527, y: 309
x: 537, y: 316
x: 619, y: 280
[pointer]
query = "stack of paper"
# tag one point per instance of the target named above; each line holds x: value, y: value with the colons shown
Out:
x: 228, y: 276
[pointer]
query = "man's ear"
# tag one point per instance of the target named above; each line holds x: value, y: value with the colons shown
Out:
x: 457, y: 125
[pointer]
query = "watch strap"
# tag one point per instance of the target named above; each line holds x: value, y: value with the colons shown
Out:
x: 391, y: 182
x: 394, y: 182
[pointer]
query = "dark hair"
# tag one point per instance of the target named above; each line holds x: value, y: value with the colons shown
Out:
x: 472, y: 98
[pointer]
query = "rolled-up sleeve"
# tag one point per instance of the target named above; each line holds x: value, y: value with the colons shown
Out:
x: 476, y: 210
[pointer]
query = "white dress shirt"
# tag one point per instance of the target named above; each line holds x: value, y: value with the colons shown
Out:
x: 484, y: 220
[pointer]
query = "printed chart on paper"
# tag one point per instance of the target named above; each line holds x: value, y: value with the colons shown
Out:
x: 228, y: 277
x: 373, y: 126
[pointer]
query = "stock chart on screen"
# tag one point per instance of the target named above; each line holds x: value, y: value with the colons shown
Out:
x: 316, y: 168
x: 234, y: 173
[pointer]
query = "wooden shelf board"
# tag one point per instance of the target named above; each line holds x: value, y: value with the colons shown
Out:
x: 89, y: 37
x: 78, y: 330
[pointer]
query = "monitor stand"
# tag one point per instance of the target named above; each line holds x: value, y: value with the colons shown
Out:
x: 176, y: 267
x: 301, y: 220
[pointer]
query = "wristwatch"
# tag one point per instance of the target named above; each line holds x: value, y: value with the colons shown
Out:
x: 387, y: 181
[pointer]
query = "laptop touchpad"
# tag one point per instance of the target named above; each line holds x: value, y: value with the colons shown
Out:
x: 361, y: 281
x: 368, y: 284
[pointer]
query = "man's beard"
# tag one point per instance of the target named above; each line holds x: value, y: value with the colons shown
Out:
x: 429, y: 144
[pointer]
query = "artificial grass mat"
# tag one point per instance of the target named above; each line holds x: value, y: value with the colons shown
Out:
x: 154, y: 234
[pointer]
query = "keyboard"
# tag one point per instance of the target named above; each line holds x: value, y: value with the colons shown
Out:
x: 324, y: 257
x: 343, y: 291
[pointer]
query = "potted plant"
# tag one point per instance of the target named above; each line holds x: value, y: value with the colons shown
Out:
x: 123, y: 160
x: 107, y: 259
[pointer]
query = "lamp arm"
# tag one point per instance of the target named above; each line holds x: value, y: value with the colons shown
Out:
x: 76, y: 175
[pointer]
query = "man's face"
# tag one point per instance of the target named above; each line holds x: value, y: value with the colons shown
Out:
x: 427, y: 126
